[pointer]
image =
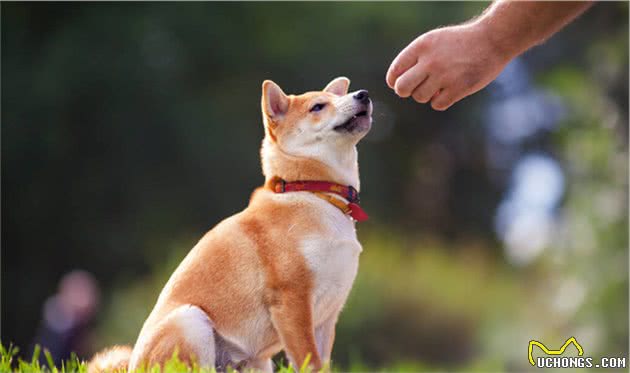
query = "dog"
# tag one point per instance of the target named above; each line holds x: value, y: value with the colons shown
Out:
x: 276, y: 275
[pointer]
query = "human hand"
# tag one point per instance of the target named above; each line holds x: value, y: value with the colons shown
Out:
x: 445, y: 65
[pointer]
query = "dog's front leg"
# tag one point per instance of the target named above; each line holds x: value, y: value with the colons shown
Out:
x: 292, y: 317
x: 325, y: 337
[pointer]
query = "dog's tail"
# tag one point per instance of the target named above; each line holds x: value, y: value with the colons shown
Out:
x: 113, y: 359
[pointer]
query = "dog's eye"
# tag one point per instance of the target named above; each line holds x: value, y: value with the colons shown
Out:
x: 317, y: 107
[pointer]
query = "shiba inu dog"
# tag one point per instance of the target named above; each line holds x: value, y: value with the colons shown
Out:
x: 276, y: 275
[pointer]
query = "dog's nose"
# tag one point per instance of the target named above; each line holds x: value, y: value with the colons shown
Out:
x: 363, y: 96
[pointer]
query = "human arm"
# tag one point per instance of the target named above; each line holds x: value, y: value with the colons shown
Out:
x: 447, y: 64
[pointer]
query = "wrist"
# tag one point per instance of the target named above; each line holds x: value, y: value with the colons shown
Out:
x: 499, y: 41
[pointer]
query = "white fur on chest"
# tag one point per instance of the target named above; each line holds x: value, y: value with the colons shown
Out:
x: 333, y: 259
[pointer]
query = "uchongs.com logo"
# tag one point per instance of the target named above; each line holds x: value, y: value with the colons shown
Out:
x: 554, y: 358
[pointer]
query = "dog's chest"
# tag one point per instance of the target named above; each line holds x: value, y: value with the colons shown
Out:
x: 333, y: 259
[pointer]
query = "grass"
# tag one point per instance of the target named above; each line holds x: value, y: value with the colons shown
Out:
x: 10, y: 361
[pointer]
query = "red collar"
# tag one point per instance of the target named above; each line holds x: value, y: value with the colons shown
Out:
x: 348, y: 192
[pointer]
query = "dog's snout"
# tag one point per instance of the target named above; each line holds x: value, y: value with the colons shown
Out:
x: 362, y: 96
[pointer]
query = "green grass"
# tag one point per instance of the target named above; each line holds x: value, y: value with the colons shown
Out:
x: 11, y: 362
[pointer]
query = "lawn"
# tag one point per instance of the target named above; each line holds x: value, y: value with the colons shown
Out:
x: 12, y: 362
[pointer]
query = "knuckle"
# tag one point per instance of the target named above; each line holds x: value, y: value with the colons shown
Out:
x: 398, y: 63
x: 421, y: 97
x: 420, y: 41
x: 396, y: 66
x: 428, y: 39
x: 392, y: 74
x: 438, y: 108
x: 402, y: 89
x: 438, y: 67
x: 402, y: 93
x: 392, y: 80
x: 440, y: 104
x: 447, y: 83
x: 470, y: 78
x: 431, y: 65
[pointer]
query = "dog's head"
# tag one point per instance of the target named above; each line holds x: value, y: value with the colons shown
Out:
x: 313, y: 135
x: 300, y: 123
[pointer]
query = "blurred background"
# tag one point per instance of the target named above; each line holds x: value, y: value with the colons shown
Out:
x: 129, y: 129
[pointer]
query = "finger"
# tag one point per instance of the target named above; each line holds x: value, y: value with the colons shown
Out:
x: 408, y: 81
x: 442, y: 100
x: 427, y: 90
x: 401, y: 63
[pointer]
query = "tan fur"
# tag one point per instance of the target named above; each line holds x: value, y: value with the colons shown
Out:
x: 250, y: 287
x: 167, y: 339
x: 113, y: 359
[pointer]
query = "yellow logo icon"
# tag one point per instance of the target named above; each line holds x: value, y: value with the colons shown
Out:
x: 533, y: 343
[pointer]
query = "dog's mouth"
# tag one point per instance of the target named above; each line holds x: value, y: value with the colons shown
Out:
x: 359, y: 120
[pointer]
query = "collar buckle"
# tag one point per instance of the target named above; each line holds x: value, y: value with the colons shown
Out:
x: 280, y: 186
x: 353, y: 195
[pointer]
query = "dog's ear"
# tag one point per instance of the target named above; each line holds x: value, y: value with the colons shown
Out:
x: 338, y: 86
x: 275, y: 102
